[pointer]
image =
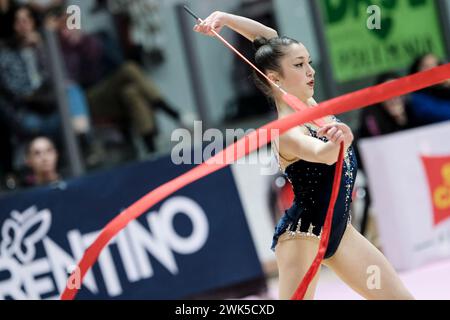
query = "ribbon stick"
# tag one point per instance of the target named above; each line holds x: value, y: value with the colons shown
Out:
x: 352, y: 101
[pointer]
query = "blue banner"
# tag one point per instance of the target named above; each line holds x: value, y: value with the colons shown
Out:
x: 195, y: 241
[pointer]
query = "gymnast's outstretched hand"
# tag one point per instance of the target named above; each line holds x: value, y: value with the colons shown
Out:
x: 246, y: 27
x: 215, y: 21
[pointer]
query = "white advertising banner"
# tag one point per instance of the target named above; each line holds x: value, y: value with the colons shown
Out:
x: 409, y: 179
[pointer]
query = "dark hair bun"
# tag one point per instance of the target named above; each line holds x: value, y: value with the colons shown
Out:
x: 259, y: 42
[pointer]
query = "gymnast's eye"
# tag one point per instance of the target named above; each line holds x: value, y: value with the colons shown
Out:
x: 299, y: 65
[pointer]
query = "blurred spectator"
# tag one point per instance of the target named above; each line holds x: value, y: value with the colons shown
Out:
x: 6, y: 19
x: 27, y: 106
x: 42, y: 159
x: 43, y: 7
x: 432, y: 104
x: 126, y: 96
x: 388, y: 116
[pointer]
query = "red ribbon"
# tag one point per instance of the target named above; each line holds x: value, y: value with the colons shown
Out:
x: 299, y: 294
x: 356, y: 100
x: 299, y: 106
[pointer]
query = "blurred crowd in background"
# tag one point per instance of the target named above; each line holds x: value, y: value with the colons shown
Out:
x: 113, y: 99
x: 105, y: 84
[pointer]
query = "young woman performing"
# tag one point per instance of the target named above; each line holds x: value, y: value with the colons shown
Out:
x: 308, y: 156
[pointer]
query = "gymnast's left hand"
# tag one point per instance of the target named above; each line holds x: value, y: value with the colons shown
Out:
x: 337, y: 132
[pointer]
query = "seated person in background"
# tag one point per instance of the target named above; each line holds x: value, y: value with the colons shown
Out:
x: 125, y: 96
x: 27, y: 103
x: 42, y: 159
x: 388, y: 116
x: 432, y: 104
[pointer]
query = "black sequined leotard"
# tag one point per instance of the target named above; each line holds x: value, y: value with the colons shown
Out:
x: 312, y: 184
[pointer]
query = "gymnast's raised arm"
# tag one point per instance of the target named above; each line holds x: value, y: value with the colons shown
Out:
x: 248, y: 28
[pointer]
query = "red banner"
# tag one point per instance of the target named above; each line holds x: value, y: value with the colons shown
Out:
x: 438, y: 174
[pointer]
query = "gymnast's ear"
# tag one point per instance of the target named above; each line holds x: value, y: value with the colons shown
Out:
x: 274, y: 76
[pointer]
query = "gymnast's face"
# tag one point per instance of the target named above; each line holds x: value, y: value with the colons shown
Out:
x: 297, y: 76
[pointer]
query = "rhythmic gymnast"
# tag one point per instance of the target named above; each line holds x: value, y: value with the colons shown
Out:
x: 307, y: 155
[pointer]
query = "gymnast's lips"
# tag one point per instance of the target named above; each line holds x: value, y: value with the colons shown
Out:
x: 311, y: 83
